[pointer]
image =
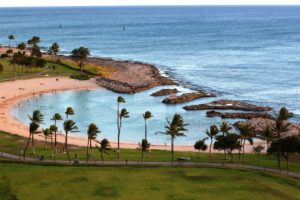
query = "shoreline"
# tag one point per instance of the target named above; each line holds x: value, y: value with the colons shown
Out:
x: 47, y: 85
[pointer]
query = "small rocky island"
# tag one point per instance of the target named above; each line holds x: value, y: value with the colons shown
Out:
x: 239, y: 115
x: 175, y: 99
x: 164, y: 92
x: 228, y: 105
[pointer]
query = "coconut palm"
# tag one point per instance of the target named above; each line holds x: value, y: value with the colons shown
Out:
x: 21, y: 46
x: 246, y: 133
x: 212, y: 133
x: 53, y: 128
x: 47, y: 133
x: 69, y: 126
x: 144, y: 146
x: 69, y: 111
x: 56, y: 117
x: 120, y: 100
x: 104, y: 148
x: 10, y: 38
x: 280, y: 127
x: 225, y: 127
x: 54, y: 49
x: 147, y: 115
x: 123, y: 114
x: 33, y: 129
x: 175, y: 128
x: 38, y: 118
x: 81, y: 54
x: 92, y: 132
x: 34, y: 41
x: 257, y: 150
x: 267, y: 134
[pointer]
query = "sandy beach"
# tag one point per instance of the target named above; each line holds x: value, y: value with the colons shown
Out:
x: 13, y: 92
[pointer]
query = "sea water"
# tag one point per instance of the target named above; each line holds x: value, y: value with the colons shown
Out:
x: 247, y: 53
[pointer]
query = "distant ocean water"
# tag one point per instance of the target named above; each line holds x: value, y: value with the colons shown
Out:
x: 246, y: 53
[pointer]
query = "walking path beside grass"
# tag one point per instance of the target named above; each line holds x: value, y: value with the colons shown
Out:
x: 149, y: 163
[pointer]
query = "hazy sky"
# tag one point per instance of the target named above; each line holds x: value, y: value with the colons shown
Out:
x: 14, y: 3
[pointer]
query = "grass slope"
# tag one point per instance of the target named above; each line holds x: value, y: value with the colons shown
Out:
x: 21, y: 181
x: 13, y: 144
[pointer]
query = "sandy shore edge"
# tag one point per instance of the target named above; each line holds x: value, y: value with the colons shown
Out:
x: 13, y: 92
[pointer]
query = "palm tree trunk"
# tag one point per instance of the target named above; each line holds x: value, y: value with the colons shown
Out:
x: 145, y: 129
x: 55, y: 141
x: 66, y: 146
x: 142, y: 157
x: 172, y: 149
x: 32, y: 143
x: 102, y: 156
x: 210, y: 147
x: 118, y: 126
x: 26, y: 146
x: 52, y: 147
x: 244, y: 149
x: 87, y: 150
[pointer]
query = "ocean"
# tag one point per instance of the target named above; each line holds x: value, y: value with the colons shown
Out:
x: 249, y: 53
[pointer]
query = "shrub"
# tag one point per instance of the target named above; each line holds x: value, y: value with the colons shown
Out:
x: 81, y: 77
x: 4, y: 55
x: 9, y: 51
x: 1, y: 68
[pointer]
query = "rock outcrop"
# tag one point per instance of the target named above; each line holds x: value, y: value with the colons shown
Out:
x: 238, y: 115
x: 164, y: 92
x: 228, y: 105
x: 260, y: 124
x: 174, y: 99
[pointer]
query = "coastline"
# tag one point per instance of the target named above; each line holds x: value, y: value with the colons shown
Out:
x: 26, y: 88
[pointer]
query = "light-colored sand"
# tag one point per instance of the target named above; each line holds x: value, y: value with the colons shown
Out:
x: 12, y: 92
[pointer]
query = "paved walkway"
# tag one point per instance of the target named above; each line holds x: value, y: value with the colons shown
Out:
x: 151, y: 163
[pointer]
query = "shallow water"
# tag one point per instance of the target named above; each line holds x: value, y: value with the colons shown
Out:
x: 245, y: 53
x: 99, y: 106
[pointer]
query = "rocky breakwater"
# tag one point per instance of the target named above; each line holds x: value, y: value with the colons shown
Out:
x: 164, y: 92
x: 260, y: 124
x: 238, y: 115
x: 174, y: 99
x: 228, y: 105
x: 130, y: 77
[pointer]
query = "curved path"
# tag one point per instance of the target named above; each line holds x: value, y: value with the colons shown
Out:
x: 151, y: 163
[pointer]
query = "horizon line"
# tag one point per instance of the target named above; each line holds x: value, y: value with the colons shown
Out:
x: 173, y: 5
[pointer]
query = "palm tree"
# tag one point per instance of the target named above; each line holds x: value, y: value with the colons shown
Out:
x: 267, y: 135
x: 69, y: 126
x: 212, y: 133
x: 47, y: 133
x: 81, y: 54
x: 56, y: 117
x: 280, y: 127
x: 53, y: 128
x: 21, y: 46
x: 175, y: 128
x: 225, y: 127
x: 123, y: 114
x: 10, y: 38
x: 104, y: 147
x: 92, y: 132
x: 144, y: 148
x: 34, y: 41
x: 69, y: 111
x: 33, y: 127
x: 147, y: 115
x: 54, y: 49
x: 38, y: 118
x: 246, y: 133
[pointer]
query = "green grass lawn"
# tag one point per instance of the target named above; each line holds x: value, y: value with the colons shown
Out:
x: 13, y: 144
x: 22, y: 181
x: 63, y: 68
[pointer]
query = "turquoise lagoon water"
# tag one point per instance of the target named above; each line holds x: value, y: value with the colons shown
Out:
x: 246, y: 53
